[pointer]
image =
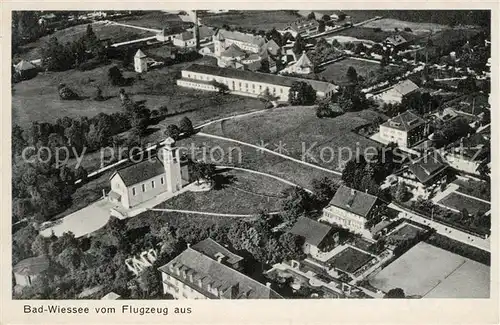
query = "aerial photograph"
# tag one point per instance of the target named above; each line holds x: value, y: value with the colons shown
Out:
x: 239, y: 154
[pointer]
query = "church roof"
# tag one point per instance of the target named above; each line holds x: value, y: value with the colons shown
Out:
x: 139, y: 54
x: 140, y: 172
x: 304, y: 61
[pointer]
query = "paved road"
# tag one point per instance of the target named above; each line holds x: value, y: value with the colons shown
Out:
x: 153, y: 30
x: 447, y: 231
x: 133, y: 41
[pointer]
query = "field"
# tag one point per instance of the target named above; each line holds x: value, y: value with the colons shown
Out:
x: 477, y: 189
x: 154, y: 19
x: 370, y: 34
x: 460, y: 202
x: 115, y: 34
x: 350, y: 260
x: 296, y: 132
x: 337, y: 71
x: 428, y: 271
x: 244, y: 193
x: 389, y: 24
x: 38, y: 99
x: 249, y: 20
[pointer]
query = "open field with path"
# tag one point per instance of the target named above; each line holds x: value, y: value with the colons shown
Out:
x: 337, y: 72
x: 252, y: 19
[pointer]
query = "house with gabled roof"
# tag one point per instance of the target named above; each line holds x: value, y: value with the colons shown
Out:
x: 194, y: 275
x: 303, y: 65
x: 221, y: 254
x: 140, y: 182
x: 406, y: 129
x: 395, y: 94
x: 247, y: 42
x: 426, y: 175
x: 395, y: 41
x: 351, y: 209
x: 302, y: 27
x: 317, y: 236
x: 468, y: 153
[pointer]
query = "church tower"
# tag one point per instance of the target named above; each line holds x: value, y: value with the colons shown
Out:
x: 140, y: 63
x: 170, y: 157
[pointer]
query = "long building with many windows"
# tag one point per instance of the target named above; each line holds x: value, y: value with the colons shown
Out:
x: 247, y: 83
x: 206, y: 271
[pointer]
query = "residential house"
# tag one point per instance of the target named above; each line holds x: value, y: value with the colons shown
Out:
x: 194, y: 275
x: 188, y: 39
x: 169, y: 33
x: 350, y: 208
x: 396, y: 42
x: 405, y: 129
x: 425, y: 176
x: 395, y: 94
x: 26, y: 70
x: 28, y: 270
x: 247, y: 83
x: 318, y: 237
x: 143, y: 181
x: 303, y: 27
x: 468, y: 153
x: 246, y: 42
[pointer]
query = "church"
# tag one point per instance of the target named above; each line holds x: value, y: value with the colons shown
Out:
x: 140, y: 182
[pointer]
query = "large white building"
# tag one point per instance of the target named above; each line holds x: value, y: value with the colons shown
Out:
x: 207, y: 271
x: 143, y: 181
x: 246, y: 42
x: 395, y: 94
x: 247, y: 83
x: 406, y: 129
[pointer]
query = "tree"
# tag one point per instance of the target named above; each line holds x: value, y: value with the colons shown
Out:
x: 98, y: 94
x: 296, y: 203
x: 266, y: 96
x: 173, y: 131
x: 324, y: 189
x: 301, y: 93
x: 18, y: 141
x: 326, y: 18
x: 321, y: 27
x: 395, y: 293
x: 352, y: 75
x: 66, y: 93
x: 186, y: 126
x: 402, y: 192
x: 311, y: 16
x: 115, y: 76
x: 81, y: 173
x: 40, y: 246
x: 300, y: 45
x: 292, y: 246
x: 221, y: 87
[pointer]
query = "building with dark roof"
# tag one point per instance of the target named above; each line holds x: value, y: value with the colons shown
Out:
x: 247, y: 83
x: 247, y: 42
x: 407, y: 129
x: 216, y: 251
x: 142, y: 181
x: 317, y: 236
x: 28, y: 270
x: 350, y: 208
x: 425, y: 175
x: 396, y: 41
x: 302, y: 27
x: 468, y: 153
x: 194, y: 275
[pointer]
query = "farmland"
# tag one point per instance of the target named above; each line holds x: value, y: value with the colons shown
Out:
x: 154, y: 19
x: 299, y: 131
x: 250, y: 20
x: 371, y: 34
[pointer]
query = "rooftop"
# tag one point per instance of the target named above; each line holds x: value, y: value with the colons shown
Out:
x: 233, y: 51
x: 24, y: 65
x: 140, y: 172
x: 354, y: 201
x: 212, y: 249
x: 395, y: 40
x: 428, y: 166
x: 312, y: 231
x: 223, y: 34
x: 259, y: 77
x: 32, y: 266
x: 139, y: 54
x: 207, y: 274
x: 405, y: 121
x: 405, y: 87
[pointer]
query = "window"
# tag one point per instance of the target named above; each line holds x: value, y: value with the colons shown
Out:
x: 253, y: 86
x: 152, y: 184
x: 162, y: 181
x: 143, y: 187
x: 133, y: 191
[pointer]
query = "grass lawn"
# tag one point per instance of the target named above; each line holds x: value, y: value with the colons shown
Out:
x: 251, y: 19
x: 329, y: 141
x: 406, y: 232
x: 477, y: 189
x: 350, y: 260
x: 245, y: 193
x: 153, y: 19
x: 116, y: 34
x: 362, y: 244
x: 460, y: 202
x: 428, y: 271
x: 337, y: 71
x: 417, y: 28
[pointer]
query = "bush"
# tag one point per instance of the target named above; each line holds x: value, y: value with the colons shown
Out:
x: 115, y: 76
x: 173, y: 131
x: 186, y: 126
x: 66, y: 93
